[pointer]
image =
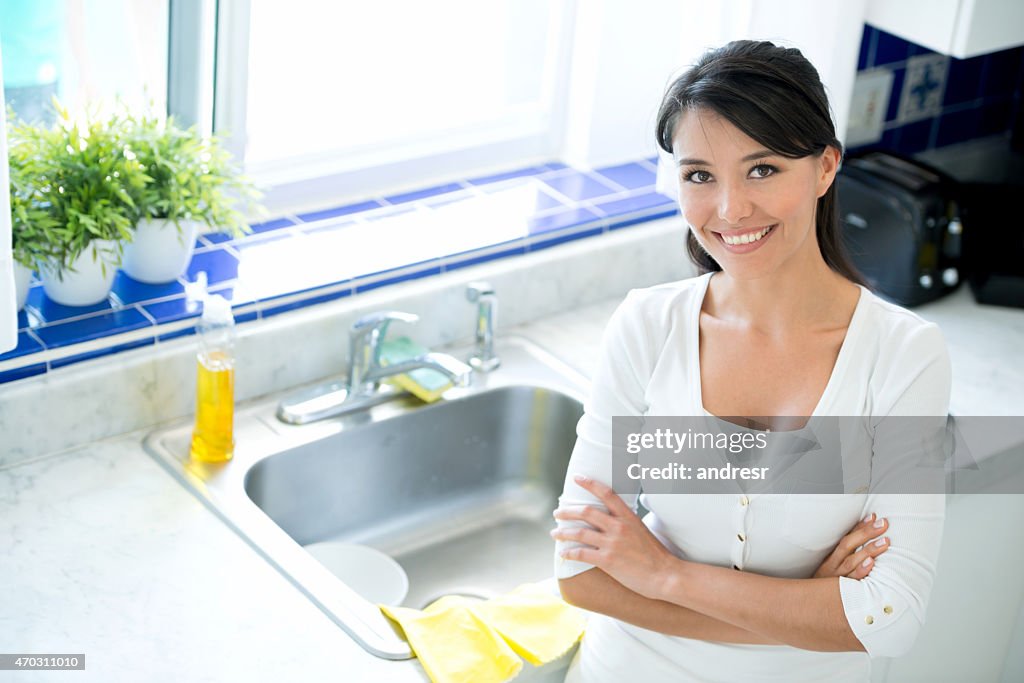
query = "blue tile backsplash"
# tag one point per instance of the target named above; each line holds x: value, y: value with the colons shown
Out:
x: 294, y: 261
x: 982, y: 94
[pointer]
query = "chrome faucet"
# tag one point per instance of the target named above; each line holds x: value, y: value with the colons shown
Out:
x: 365, y: 373
x: 482, y: 294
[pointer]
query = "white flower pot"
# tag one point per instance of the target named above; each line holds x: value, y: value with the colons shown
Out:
x: 87, y: 282
x: 22, y: 276
x: 159, y: 253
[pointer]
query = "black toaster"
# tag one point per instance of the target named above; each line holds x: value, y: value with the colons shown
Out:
x: 901, y: 224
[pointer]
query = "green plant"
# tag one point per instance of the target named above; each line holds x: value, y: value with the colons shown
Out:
x: 72, y: 184
x: 32, y: 224
x: 191, y: 177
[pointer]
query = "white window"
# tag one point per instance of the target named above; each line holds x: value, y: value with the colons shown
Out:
x: 416, y: 90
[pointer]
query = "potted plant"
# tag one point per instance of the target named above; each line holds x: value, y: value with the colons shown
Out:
x: 32, y: 224
x: 84, y: 181
x: 192, y: 183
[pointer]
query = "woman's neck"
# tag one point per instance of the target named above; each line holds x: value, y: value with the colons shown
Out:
x: 803, y: 296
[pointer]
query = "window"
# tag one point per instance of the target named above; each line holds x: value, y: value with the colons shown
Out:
x: 422, y: 89
x: 82, y: 52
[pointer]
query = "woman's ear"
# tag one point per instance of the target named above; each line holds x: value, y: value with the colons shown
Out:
x: 829, y: 166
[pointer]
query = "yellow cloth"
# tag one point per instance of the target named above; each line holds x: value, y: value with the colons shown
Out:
x: 459, y: 640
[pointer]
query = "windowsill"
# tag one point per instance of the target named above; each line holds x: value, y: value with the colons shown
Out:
x: 299, y: 260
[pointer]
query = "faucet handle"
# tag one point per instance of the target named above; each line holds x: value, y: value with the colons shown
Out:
x: 379, y: 321
x: 476, y: 290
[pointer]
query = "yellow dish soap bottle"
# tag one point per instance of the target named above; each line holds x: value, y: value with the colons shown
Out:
x: 213, y: 438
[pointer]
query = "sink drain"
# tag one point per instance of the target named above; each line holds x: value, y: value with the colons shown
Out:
x: 466, y: 592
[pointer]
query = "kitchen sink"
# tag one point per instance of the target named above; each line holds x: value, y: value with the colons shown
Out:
x: 459, y: 492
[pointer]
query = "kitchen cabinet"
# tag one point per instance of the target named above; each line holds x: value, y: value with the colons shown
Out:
x: 958, y: 28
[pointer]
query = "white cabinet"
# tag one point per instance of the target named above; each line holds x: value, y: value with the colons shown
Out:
x: 959, y: 28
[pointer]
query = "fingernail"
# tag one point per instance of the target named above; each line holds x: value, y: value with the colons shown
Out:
x: 580, y: 478
x: 879, y: 523
x: 866, y: 562
x: 868, y: 518
x: 882, y: 541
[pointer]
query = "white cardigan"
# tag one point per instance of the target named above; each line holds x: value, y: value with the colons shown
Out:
x: 891, y: 363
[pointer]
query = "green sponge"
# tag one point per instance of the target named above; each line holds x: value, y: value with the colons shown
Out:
x: 425, y: 384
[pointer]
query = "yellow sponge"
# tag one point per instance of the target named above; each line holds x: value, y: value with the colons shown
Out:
x: 425, y: 384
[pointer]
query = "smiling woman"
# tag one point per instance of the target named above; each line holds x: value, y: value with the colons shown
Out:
x: 778, y: 329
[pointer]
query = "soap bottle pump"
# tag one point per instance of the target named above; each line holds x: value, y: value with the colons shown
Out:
x: 213, y: 437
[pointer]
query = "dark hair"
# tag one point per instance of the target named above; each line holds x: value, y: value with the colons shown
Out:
x: 775, y: 96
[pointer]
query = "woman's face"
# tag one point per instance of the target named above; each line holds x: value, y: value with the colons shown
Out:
x: 751, y: 209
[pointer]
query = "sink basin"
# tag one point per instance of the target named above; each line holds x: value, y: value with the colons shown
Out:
x: 459, y: 492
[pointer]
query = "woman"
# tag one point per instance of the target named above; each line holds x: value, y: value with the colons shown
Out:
x: 746, y: 587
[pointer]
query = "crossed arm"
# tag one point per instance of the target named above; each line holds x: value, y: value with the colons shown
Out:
x: 637, y: 580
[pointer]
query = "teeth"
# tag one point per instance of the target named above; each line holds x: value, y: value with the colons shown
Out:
x: 747, y: 238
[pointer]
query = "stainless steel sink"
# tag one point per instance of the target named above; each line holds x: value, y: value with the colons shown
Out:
x: 459, y: 492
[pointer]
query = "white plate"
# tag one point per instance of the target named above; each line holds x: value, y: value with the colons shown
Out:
x: 369, y: 572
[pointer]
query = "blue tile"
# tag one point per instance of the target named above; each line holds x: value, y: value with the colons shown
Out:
x: 958, y: 126
x: 219, y: 265
x: 561, y: 239
x: 131, y: 291
x: 21, y: 373
x: 963, y: 83
x: 339, y: 211
x: 26, y: 345
x: 632, y: 204
x: 894, y: 95
x: 995, y: 117
x: 268, y: 226
x: 508, y: 175
x: 174, y: 309
x: 565, y: 219
x: 468, y: 259
x: 654, y: 214
x: 916, y: 50
x: 555, y: 166
x: 310, y: 301
x: 422, y: 194
x: 863, y: 58
x: 212, y: 238
x: 23, y: 319
x: 93, y: 327
x: 1001, y: 72
x: 188, y: 331
x: 890, y: 140
x: 404, y: 277
x: 630, y: 176
x: 890, y: 49
x: 49, y: 311
x: 914, y: 137
x: 578, y: 186
x: 98, y: 353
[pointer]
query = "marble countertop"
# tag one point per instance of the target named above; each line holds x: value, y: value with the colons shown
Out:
x: 103, y: 553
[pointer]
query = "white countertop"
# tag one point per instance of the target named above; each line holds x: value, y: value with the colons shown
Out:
x: 104, y: 553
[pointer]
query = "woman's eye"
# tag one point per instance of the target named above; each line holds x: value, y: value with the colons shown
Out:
x: 697, y: 177
x: 763, y: 170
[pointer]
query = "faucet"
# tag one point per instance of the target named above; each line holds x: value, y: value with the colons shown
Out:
x: 483, y: 295
x: 365, y: 374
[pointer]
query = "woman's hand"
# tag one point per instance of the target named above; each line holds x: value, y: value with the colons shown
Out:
x: 619, y: 542
x: 846, y: 560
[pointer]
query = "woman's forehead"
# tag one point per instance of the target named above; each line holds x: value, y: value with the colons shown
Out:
x: 705, y: 134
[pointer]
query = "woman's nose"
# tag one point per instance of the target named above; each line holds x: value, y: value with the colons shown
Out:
x: 733, y: 205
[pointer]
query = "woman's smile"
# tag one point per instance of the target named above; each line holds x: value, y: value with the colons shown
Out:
x: 746, y: 240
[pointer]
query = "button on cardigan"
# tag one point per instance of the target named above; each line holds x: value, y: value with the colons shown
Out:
x: 892, y: 363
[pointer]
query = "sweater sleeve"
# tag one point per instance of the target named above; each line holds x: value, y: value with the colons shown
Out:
x: 618, y: 389
x: 886, y: 609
